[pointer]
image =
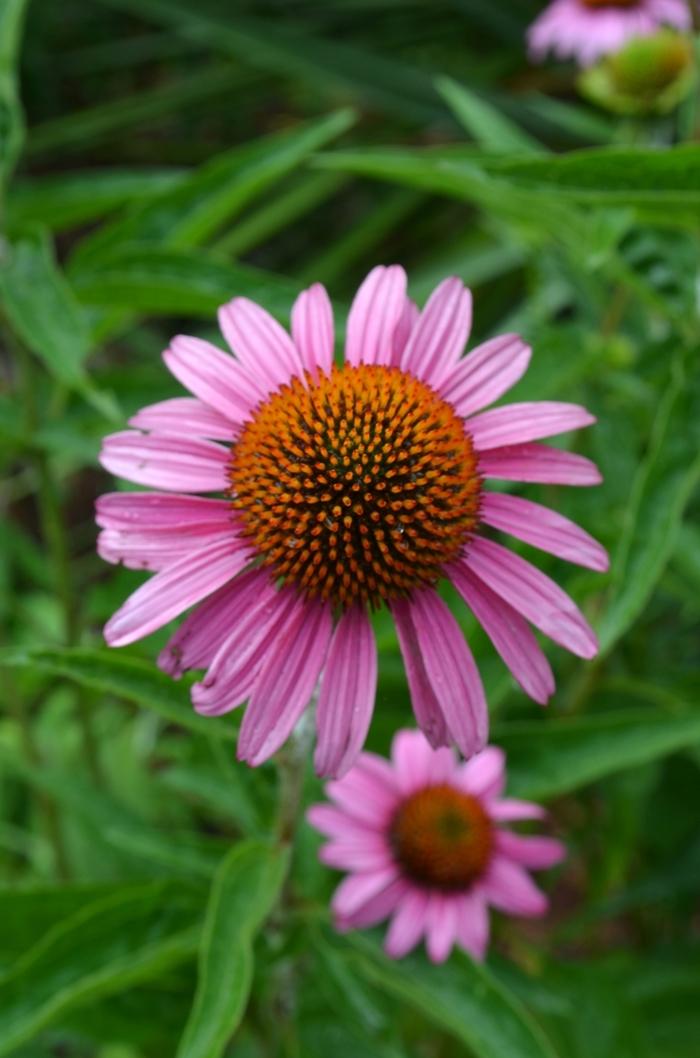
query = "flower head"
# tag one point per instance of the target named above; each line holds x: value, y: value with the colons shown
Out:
x: 422, y: 840
x: 341, y: 489
x: 584, y: 30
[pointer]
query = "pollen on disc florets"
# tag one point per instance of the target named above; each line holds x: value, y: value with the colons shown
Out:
x: 356, y: 486
x: 442, y: 838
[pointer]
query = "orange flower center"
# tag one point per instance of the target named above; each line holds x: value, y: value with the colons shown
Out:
x: 358, y: 486
x: 442, y: 838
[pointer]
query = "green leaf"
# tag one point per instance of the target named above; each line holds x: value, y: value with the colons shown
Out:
x: 487, y: 125
x: 182, y: 282
x: 462, y: 998
x: 106, y: 947
x: 243, y: 893
x: 65, y: 200
x: 660, y: 492
x: 186, y: 215
x: 126, y: 677
x: 11, y: 121
x: 547, y: 758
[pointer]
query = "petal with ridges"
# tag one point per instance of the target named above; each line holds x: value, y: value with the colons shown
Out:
x: 486, y: 374
x: 346, y: 700
x: 543, y: 528
x: 438, y: 338
x: 473, y: 923
x: 357, y: 889
x: 508, y: 631
x: 185, y: 417
x: 530, y: 421
x: 440, y: 926
x: 264, y: 348
x: 532, y: 594
x: 374, y: 315
x: 164, y: 461
x: 537, y: 463
x: 408, y: 924
x: 485, y: 774
x: 423, y: 699
x: 213, y: 376
x: 312, y: 328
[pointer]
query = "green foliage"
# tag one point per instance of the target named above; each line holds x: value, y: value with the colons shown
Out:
x: 177, y: 155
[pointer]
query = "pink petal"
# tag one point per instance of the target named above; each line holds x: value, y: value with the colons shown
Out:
x: 264, y: 348
x: 510, y: 634
x: 368, y: 792
x: 511, y: 889
x: 164, y: 461
x: 440, y: 926
x: 286, y: 683
x: 407, y: 321
x: 543, y: 528
x: 517, y: 423
x: 537, y: 853
x: 510, y: 810
x: 423, y: 698
x: 185, y: 417
x: 486, y: 374
x: 358, y: 889
x: 485, y: 774
x: 473, y: 923
x: 408, y: 924
x: 417, y: 764
x: 366, y: 855
x: 532, y: 594
x: 348, y: 688
x: 538, y: 463
x: 175, y: 589
x: 149, y: 511
x: 336, y: 824
x: 234, y: 668
x: 201, y: 634
x: 375, y: 909
x: 450, y: 667
x: 213, y: 376
x: 374, y: 316
x: 438, y: 338
x: 312, y: 329
x: 156, y: 550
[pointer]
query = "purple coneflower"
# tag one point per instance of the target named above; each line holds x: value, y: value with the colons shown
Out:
x: 342, y: 488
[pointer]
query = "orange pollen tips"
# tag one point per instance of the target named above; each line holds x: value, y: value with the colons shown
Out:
x: 357, y: 486
x: 442, y: 838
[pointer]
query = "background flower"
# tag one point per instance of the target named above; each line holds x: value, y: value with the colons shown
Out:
x: 347, y: 488
x: 423, y: 843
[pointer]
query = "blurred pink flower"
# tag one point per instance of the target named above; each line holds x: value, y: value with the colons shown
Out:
x: 344, y: 488
x: 584, y: 30
x: 422, y: 842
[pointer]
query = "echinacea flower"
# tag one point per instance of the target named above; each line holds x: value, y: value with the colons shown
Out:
x: 584, y: 30
x: 342, y: 488
x: 422, y: 840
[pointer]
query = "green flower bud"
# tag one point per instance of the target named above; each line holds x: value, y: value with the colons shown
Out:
x: 649, y: 75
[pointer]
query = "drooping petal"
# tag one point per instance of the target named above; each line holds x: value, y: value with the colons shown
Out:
x: 164, y: 461
x: 175, y: 589
x: 423, y: 699
x: 408, y: 924
x: 286, y: 683
x: 543, y: 528
x: 374, y: 316
x: 196, y: 642
x: 533, y: 594
x: 264, y: 348
x: 535, y: 852
x: 438, y: 338
x: 451, y: 670
x: 185, y: 417
x: 486, y: 374
x: 511, y: 889
x: 235, y: 665
x: 537, y: 463
x: 213, y: 376
x: 440, y: 926
x: 485, y: 774
x: 473, y: 923
x: 348, y: 689
x: 510, y: 634
x: 519, y: 423
x: 357, y: 889
x: 312, y: 329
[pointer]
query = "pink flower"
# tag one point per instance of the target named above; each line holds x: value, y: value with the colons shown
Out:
x: 422, y: 842
x: 342, y: 489
x: 586, y: 29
